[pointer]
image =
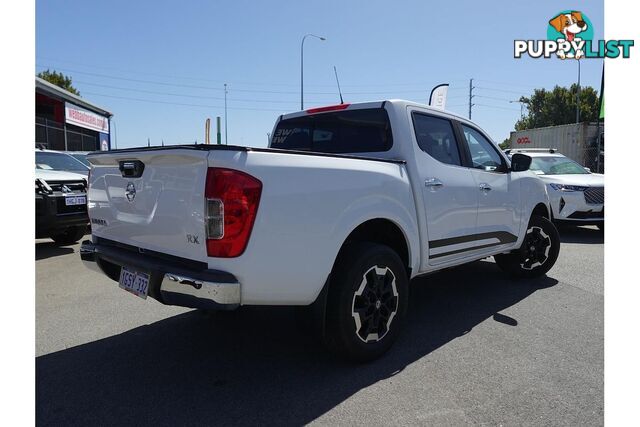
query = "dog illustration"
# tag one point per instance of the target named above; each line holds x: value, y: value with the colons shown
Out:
x: 569, y: 24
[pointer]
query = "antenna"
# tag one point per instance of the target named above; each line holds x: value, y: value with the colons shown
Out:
x: 338, y: 82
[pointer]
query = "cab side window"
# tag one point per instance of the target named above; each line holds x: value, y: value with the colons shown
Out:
x: 483, y: 154
x: 436, y: 137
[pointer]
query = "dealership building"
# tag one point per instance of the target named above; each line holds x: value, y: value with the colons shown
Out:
x: 66, y: 122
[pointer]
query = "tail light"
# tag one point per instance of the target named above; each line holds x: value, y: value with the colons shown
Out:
x: 232, y: 199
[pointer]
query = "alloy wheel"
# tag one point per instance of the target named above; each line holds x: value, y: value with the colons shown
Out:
x: 535, y: 248
x: 375, y: 304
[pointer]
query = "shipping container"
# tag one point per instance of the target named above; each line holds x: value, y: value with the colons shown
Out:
x: 578, y: 141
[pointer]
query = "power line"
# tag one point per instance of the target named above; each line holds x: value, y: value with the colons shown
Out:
x: 180, y: 103
x: 495, y: 106
x: 493, y: 97
x: 183, y: 95
x: 43, y: 66
x: 240, y: 108
x: 499, y: 90
x: 237, y: 90
x: 150, y: 73
x: 471, y: 94
x: 385, y: 85
x: 106, y: 76
x: 456, y: 96
x: 197, y: 96
x: 506, y: 83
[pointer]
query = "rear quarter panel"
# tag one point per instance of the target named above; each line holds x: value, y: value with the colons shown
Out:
x: 309, y: 205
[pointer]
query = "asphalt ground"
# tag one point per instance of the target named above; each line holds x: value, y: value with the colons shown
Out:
x: 478, y: 348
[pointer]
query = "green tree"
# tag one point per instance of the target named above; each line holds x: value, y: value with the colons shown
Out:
x: 59, y: 80
x: 558, y: 107
x: 505, y: 144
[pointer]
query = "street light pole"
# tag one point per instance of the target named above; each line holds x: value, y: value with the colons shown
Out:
x: 521, y: 108
x: 302, y: 67
x: 226, y: 141
x: 115, y: 133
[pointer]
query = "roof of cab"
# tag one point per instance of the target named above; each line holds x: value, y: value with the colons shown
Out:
x: 368, y: 104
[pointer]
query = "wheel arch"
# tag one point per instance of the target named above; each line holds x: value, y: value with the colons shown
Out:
x: 542, y: 210
x: 383, y: 231
x: 376, y: 230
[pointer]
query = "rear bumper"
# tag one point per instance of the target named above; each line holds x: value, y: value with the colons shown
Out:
x: 173, y: 281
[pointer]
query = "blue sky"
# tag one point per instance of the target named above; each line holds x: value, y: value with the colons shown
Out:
x: 160, y: 66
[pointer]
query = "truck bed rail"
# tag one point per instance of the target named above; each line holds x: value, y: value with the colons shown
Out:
x: 212, y: 147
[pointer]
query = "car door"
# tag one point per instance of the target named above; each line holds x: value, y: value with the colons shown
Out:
x: 450, y: 195
x: 499, y: 194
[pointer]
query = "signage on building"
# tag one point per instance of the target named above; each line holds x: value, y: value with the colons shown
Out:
x: 86, y: 119
x: 104, y: 141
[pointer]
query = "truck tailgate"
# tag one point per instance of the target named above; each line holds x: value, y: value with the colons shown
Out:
x: 151, y: 199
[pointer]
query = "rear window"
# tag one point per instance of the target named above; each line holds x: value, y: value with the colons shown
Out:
x: 357, y: 131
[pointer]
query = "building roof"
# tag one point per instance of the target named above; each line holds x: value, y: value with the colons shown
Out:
x: 53, y: 90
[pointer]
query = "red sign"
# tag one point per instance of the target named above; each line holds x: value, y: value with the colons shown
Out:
x: 523, y: 140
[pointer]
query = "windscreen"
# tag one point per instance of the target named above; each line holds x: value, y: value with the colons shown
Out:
x: 556, y: 166
x: 58, y: 162
x: 356, y: 131
x: 81, y: 158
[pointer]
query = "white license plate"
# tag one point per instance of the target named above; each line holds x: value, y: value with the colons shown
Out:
x: 75, y: 200
x: 135, y: 282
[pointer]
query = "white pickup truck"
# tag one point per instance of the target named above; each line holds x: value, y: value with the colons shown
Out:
x: 347, y: 205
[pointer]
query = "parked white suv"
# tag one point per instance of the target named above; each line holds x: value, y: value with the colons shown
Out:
x: 576, y: 194
x: 347, y: 204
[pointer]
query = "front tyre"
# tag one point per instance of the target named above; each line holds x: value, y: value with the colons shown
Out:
x: 367, y: 302
x: 538, y: 253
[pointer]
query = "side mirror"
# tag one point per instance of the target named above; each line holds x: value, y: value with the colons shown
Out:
x: 520, y: 162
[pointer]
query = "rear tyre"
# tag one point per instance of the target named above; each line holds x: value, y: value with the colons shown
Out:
x: 70, y: 236
x: 367, y: 301
x: 538, y: 253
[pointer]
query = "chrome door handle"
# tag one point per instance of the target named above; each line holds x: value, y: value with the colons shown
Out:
x: 485, y: 187
x: 433, y: 183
